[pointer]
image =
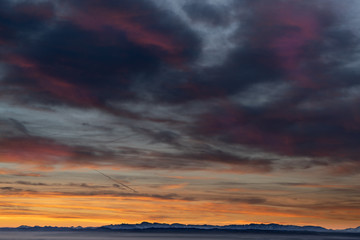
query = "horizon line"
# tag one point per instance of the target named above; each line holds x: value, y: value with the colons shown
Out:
x: 185, y: 224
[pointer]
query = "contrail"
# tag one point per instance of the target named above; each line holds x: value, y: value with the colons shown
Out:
x: 114, y: 180
x: 19, y: 126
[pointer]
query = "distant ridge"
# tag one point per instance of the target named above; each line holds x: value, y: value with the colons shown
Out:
x: 353, y: 229
x: 177, y: 226
x: 272, y: 226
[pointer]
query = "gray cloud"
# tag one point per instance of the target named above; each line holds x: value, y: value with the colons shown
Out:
x: 107, y: 97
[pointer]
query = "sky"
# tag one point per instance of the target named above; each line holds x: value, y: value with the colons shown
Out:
x: 213, y: 112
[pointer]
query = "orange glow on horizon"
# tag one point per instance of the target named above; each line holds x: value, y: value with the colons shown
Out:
x: 47, y: 209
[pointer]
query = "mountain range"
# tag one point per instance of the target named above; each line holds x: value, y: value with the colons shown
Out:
x: 177, y: 226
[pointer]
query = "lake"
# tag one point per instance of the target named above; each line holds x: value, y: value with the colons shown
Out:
x: 85, y: 235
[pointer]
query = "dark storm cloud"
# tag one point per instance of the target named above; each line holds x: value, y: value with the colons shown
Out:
x: 285, y: 130
x: 102, y: 54
x: 314, y: 118
x: 22, y: 20
x: 243, y: 68
x: 88, y: 61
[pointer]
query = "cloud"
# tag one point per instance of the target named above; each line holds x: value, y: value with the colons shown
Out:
x: 104, y: 56
x: 119, y: 83
x: 305, y: 52
x: 208, y: 13
x: 22, y: 19
x: 4, y: 171
x: 12, y: 127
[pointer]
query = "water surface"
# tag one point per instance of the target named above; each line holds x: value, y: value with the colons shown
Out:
x: 38, y: 235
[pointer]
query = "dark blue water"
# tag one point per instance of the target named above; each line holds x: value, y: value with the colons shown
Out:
x: 25, y: 235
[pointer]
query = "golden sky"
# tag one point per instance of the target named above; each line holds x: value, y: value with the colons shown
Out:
x: 87, y: 198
